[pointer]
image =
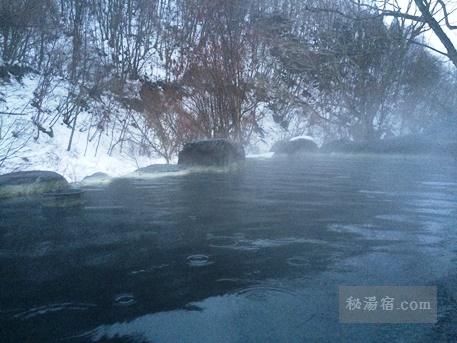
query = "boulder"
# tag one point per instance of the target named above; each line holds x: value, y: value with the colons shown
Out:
x: 213, y: 152
x: 31, y: 182
x: 293, y: 146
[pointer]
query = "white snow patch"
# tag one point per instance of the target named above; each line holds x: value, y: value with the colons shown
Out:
x: 18, y: 134
x: 309, y: 138
x: 265, y: 155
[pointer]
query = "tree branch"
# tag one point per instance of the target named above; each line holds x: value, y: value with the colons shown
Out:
x: 446, y: 16
x: 438, y: 30
x: 429, y: 47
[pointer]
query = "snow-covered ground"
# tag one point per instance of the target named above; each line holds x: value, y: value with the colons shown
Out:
x: 18, y: 134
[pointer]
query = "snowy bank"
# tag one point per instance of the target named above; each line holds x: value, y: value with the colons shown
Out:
x: 22, y: 148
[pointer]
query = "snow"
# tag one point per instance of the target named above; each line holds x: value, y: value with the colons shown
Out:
x: 50, y: 153
x: 297, y: 138
x: 273, y: 132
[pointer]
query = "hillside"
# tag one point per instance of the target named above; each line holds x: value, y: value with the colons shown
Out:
x: 92, y: 150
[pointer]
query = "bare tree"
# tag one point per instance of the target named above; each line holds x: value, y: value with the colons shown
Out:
x: 433, y: 13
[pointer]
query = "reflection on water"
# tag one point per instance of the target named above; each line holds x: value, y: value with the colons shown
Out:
x: 251, y: 255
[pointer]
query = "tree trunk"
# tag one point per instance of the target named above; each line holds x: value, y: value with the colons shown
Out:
x: 439, y: 32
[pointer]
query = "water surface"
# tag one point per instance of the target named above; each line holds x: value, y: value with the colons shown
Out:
x: 252, y: 255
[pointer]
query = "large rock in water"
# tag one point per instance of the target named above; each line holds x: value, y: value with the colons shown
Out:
x: 30, y: 183
x: 213, y: 152
x: 297, y: 145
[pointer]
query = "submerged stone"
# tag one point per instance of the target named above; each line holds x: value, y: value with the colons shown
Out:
x: 213, y: 152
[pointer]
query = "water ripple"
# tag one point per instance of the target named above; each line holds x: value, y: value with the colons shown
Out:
x: 298, y: 261
x: 198, y: 260
x: 125, y: 299
x: 42, y: 310
x: 262, y: 291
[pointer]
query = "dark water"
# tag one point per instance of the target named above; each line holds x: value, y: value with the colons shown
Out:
x: 254, y: 255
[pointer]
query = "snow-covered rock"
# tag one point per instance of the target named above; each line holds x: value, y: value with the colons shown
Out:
x: 30, y: 183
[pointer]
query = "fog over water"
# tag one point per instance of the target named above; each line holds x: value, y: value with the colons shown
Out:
x: 253, y: 254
